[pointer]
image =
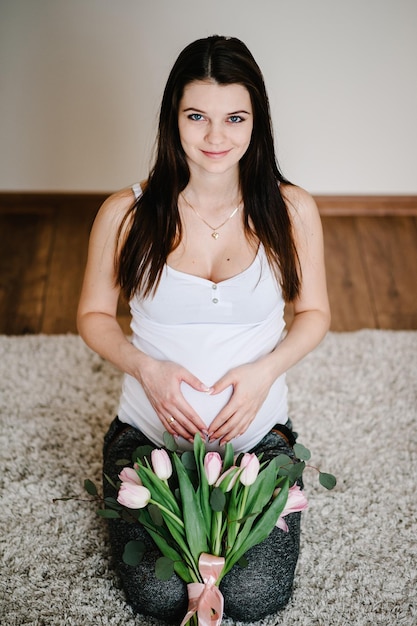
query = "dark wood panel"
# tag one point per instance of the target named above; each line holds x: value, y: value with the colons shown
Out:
x: 389, y: 250
x: 26, y: 242
x: 66, y: 269
x: 371, y: 266
x: 349, y: 296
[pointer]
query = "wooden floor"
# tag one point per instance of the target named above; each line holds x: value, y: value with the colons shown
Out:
x: 371, y: 268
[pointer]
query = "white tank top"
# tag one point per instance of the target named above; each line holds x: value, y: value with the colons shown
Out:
x: 208, y: 328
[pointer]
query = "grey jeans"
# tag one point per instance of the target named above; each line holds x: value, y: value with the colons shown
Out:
x: 250, y: 593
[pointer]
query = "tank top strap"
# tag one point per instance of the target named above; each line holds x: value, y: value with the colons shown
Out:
x: 137, y: 190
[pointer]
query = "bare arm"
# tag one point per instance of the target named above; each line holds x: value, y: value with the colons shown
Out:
x: 98, y: 326
x: 253, y: 381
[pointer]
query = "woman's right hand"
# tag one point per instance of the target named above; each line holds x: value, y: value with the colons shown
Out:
x: 161, y: 381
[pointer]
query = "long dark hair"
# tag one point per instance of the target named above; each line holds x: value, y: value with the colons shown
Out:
x: 155, y: 225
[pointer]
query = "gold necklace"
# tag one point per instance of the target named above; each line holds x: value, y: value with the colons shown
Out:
x: 215, y: 229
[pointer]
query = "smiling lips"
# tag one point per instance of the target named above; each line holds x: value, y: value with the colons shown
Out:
x: 215, y: 155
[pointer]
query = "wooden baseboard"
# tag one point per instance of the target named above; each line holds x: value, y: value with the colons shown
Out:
x: 371, y: 206
x: 329, y: 205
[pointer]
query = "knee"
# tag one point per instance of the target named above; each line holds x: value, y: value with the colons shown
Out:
x: 146, y: 594
x: 263, y: 587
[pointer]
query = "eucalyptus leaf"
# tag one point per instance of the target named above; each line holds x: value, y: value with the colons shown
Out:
x: 217, y: 500
x: 133, y: 552
x: 110, y: 481
x: 301, y: 452
x: 113, y: 504
x: 156, y: 515
x: 108, y: 513
x: 282, y: 460
x: 188, y: 460
x: 328, y: 481
x: 169, y: 442
x: 164, y: 568
x: 295, y: 471
x: 122, y: 462
x: 141, y: 452
x: 90, y: 487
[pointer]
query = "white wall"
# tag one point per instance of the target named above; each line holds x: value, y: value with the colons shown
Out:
x: 81, y: 81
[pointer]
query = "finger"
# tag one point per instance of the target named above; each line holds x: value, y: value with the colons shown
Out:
x: 222, y: 384
x: 224, y: 417
x: 230, y: 428
x: 195, y: 382
x: 188, y: 417
x: 180, y: 426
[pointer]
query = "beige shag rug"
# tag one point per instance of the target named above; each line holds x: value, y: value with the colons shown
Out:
x: 354, y: 404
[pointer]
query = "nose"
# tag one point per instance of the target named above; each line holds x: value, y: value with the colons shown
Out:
x: 214, y: 134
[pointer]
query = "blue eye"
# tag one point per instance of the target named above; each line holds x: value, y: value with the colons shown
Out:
x: 196, y: 117
x: 235, y: 119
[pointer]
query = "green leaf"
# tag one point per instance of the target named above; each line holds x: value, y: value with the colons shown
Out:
x: 243, y: 562
x: 167, y: 550
x: 110, y: 481
x: 113, y: 504
x: 90, y: 487
x: 195, y: 527
x: 188, y: 460
x: 282, y: 460
x: 164, y: 568
x: 250, y: 536
x: 217, y: 500
x: 169, y: 442
x: 328, y: 481
x: 141, y: 452
x: 293, y: 472
x: 108, y: 513
x: 159, y: 489
x: 301, y: 452
x: 203, y: 488
x: 133, y: 552
x: 228, y: 456
x: 261, y: 491
x: 156, y: 515
x: 122, y: 462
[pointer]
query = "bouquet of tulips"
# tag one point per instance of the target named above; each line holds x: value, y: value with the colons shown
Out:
x: 205, y: 511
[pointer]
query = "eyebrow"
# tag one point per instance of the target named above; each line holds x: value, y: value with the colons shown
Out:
x: 204, y: 113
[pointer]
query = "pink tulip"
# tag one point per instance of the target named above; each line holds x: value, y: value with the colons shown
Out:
x: 296, y: 502
x: 161, y: 464
x: 223, y: 477
x: 250, y: 464
x: 133, y: 496
x: 212, y: 466
x: 129, y: 475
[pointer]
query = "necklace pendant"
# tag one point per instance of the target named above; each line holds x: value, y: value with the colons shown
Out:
x: 215, y: 235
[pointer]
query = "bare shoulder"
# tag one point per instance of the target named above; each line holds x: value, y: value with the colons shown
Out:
x: 300, y: 203
x: 116, y: 206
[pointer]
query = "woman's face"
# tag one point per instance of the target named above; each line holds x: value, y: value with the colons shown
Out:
x: 215, y: 123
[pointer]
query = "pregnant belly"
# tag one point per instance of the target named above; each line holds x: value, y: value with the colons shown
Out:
x: 205, y: 405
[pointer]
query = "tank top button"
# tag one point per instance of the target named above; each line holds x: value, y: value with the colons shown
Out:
x: 215, y: 301
x: 214, y: 286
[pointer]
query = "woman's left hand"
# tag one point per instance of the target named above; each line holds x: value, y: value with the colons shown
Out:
x: 251, y: 385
